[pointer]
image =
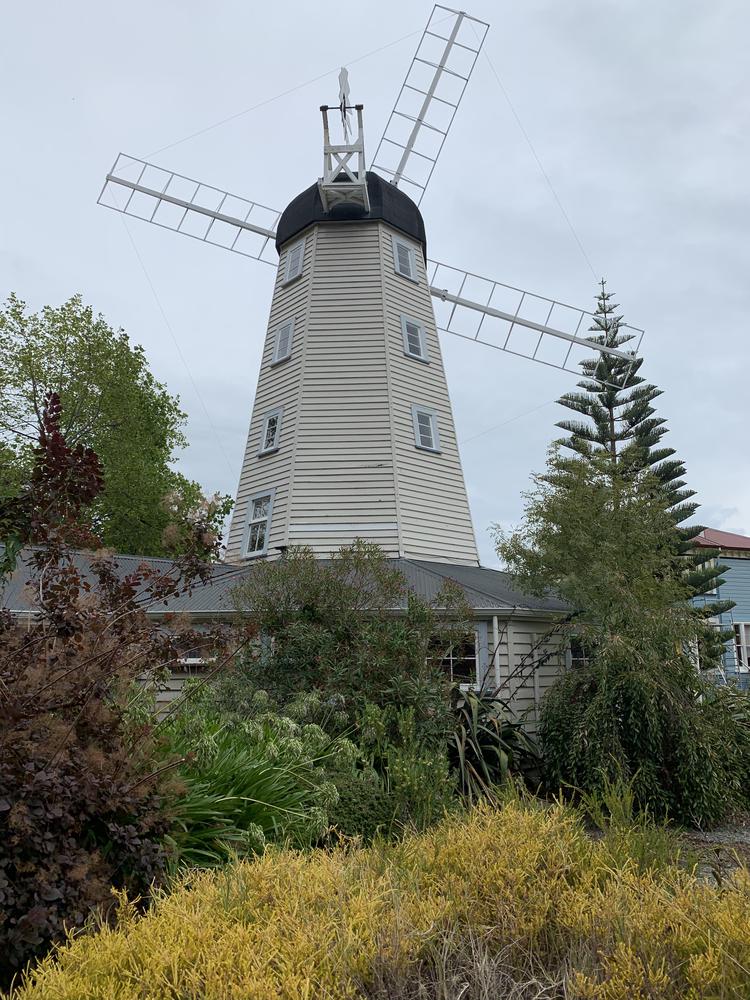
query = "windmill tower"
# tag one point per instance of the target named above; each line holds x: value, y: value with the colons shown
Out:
x: 352, y: 433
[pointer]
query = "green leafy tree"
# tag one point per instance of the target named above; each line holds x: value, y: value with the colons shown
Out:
x: 111, y: 403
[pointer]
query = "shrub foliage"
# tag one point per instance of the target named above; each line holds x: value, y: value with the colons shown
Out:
x: 552, y: 912
x: 80, y: 807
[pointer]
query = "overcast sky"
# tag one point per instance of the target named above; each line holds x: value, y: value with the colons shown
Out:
x: 639, y: 112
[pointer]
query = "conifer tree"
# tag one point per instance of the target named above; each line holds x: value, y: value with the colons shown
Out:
x: 621, y: 426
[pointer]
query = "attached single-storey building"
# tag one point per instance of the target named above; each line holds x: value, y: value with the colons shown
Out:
x: 512, y: 651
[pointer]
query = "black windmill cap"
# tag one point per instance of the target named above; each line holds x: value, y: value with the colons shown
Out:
x: 387, y: 204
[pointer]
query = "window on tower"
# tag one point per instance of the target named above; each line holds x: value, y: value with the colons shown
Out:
x: 415, y: 339
x: 282, y: 346
x: 295, y: 259
x: 270, y: 432
x: 426, y: 434
x: 404, y: 259
x: 259, y: 524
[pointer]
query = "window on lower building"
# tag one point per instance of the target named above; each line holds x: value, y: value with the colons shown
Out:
x: 580, y: 653
x: 282, y: 348
x: 426, y: 434
x: 415, y: 339
x: 259, y: 524
x: 404, y: 259
x: 742, y: 646
x: 295, y: 260
x: 458, y: 660
x: 270, y: 432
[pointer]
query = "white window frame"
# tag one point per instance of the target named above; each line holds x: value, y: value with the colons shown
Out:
x: 278, y: 358
x: 424, y: 355
x: 288, y: 276
x: 413, y: 275
x: 416, y: 411
x: 447, y: 658
x: 270, y: 493
x: 264, y: 449
x: 742, y: 647
x: 582, y: 657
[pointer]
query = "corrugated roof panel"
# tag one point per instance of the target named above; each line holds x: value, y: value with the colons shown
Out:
x: 485, y: 589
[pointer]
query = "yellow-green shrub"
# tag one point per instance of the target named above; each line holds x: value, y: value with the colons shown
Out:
x: 320, y: 925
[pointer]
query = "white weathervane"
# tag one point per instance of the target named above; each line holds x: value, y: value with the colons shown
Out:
x: 352, y: 432
x: 344, y: 101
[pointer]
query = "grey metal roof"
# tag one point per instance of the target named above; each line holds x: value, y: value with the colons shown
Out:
x: 486, y: 590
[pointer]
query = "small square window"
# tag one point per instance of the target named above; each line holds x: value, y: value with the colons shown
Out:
x: 295, y: 260
x: 282, y: 348
x: 270, y: 432
x: 425, y: 428
x: 259, y: 524
x: 415, y: 339
x: 404, y: 259
x: 458, y: 659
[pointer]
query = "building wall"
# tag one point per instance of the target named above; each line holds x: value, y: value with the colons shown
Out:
x: 278, y: 385
x: 509, y: 668
x: 347, y: 466
x: 509, y: 674
x: 737, y: 587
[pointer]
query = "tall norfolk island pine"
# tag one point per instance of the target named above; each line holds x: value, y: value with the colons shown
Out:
x: 604, y: 527
x: 622, y: 428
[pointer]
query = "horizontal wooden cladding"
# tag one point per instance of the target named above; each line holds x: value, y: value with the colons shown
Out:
x: 376, y: 484
x: 451, y: 545
x: 325, y: 548
x: 347, y: 398
x: 433, y: 504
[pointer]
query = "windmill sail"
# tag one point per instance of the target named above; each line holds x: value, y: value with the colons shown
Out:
x: 428, y: 99
x: 517, y: 321
x: 173, y: 201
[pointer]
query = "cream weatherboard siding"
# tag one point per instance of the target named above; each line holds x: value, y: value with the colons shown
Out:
x: 347, y: 465
x: 520, y: 680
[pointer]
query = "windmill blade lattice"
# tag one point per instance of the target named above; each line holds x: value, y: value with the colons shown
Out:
x: 428, y: 99
x: 517, y: 321
x: 144, y: 191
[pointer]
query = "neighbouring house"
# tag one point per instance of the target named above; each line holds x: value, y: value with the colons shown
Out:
x: 734, y: 552
x: 514, y: 649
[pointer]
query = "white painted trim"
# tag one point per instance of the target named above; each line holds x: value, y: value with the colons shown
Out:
x: 741, y: 641
x: 400, y: 241
x: 313, y: 233
x: 458, y: 450
x: 424, y: 355
x: 289, y: 258
x: 416, y: 410
x: 271, y: 494
x: 510, y: 640
x: 383, y: 236
x: 276, y: 412
x: 277, y: 359
x: 496, y: 649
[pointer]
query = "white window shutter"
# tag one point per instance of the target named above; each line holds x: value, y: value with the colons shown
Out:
x: 295, y: 261
x: 426, y: 434
x: 415, y: 340
x: 403, y: 259
x: 283, y: 345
